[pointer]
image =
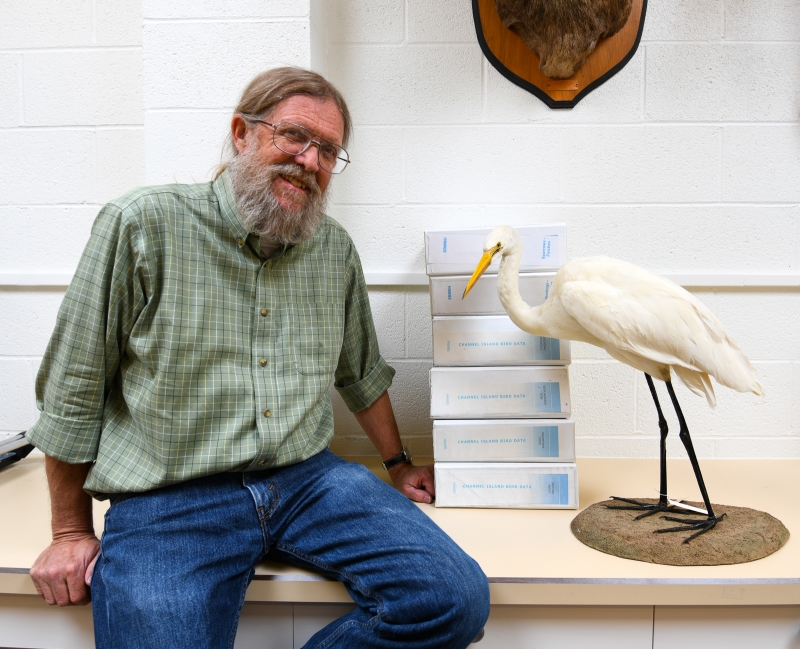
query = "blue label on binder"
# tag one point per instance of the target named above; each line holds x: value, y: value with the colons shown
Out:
x: 547, y: 397
x: 554, y: 489
x: 546, y: 441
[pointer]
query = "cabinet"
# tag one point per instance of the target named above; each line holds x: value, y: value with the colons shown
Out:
x: 26, y: 622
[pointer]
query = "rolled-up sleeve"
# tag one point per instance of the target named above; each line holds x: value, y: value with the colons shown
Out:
x: 362, y: 374
x: 80, y: 364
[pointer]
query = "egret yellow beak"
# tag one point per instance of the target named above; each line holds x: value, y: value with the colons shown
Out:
x: 483, y: 264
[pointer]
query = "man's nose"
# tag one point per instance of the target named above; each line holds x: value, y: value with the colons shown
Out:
x: 309, y: 159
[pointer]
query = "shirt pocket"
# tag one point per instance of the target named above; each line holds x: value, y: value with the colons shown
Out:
x: 316, y: 336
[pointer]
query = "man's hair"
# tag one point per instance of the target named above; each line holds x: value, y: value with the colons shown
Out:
x: 269, y: 88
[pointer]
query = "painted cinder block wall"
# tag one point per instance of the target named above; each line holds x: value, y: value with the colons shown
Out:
x: 71, y: 138
x: 686, y: 162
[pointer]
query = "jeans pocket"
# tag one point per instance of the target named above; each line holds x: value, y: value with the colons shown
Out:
x: 316, y: 336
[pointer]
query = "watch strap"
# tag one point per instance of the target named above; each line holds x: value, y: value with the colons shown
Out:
x: 402, y: 457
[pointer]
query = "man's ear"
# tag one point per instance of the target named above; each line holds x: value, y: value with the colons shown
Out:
x: 240, y: 133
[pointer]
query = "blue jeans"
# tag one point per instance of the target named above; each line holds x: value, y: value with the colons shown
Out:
x: 175, y: 562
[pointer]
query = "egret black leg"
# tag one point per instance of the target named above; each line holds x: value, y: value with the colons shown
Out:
x: 703, y: 525
x: 662, y: 505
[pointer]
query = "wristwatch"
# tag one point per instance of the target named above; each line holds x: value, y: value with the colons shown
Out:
x: 400, y: 458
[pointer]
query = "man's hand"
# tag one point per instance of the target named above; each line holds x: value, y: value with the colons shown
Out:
x: 63, y: 572
x: 415, y: 482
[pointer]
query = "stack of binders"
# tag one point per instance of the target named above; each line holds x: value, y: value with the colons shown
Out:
x: 500, y: 399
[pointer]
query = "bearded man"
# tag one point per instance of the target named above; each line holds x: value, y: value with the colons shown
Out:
x: 187, y: 381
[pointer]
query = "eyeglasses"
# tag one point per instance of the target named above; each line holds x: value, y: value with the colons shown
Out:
x: 295, y: 139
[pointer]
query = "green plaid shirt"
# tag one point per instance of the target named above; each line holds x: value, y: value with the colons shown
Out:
x: 180, y: 351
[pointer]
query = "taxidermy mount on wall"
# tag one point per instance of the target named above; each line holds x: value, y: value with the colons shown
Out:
x: 563, y: 32
x: 559, y: 50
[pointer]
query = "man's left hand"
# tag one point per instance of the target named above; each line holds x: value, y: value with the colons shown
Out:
x: 415, y: 482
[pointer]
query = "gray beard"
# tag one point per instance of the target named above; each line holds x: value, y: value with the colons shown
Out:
x: 263, y: 215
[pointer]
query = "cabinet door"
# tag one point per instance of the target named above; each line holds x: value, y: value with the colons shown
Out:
x: 521, y: 627
x: 727, y: 627
x: 569, y: 627
x: 26, y: 621
x: 264, y: 626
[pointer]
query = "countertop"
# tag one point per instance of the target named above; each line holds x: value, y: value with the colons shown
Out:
x: 530, y: 556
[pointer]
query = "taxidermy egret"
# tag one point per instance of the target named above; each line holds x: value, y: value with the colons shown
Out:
x: 642, y: 320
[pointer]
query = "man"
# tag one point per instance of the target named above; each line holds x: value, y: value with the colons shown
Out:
x: 186, y: 381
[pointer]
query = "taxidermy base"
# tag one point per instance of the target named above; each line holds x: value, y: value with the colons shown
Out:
x: 742, y: 535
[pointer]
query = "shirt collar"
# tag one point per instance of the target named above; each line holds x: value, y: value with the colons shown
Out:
x: 227, y: 207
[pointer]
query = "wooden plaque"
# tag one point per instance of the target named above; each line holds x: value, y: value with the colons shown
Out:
x: 507, y: 52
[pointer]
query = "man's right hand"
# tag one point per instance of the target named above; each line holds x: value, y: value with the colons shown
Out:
x: 63, y: 572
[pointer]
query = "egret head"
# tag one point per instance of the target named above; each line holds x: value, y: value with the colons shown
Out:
x: 503, y: 240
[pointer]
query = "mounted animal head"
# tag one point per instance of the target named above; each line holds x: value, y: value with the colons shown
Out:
x: 563, y: 32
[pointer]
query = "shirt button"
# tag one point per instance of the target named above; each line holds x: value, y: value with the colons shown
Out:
x: 267, y: 413
x: 265, y: 312
x: 263, y: 362
x: 240, y: 241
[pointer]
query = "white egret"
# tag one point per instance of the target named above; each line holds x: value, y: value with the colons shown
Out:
x: 642, y: 320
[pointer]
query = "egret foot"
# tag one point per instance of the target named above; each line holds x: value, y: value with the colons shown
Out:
x: 648, y: 508
x: 702, y: 526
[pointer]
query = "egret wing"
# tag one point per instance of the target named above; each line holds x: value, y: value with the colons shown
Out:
x: 644, y: 314
x: 622, y: 320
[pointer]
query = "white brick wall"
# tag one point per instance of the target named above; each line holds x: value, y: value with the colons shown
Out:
x: 379, y: 90
x: 44, y: 238
x: 11, y: 97
x: 686, y: 162
x: 761, y: 163
x: 777, y: 20
x: 71, y: 137
x: 46, y: 24
x: 198, y: 57
x: 109, y: 81
x: 756, y: 72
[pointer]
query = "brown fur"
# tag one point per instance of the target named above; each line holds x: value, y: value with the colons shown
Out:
x: 563, y: 32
